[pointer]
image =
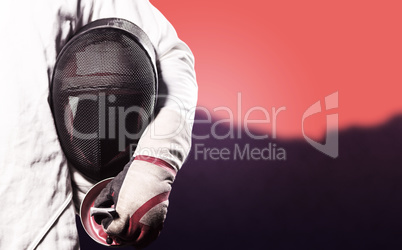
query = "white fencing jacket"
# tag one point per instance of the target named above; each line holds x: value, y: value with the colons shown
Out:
x: 35, y: 185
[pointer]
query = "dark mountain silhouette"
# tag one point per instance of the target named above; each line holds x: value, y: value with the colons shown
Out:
x: 308, y: 201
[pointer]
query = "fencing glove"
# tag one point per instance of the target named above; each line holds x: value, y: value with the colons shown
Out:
x: 140, y: 195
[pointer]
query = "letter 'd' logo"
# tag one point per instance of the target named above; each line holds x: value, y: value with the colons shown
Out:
x: 330, y: 147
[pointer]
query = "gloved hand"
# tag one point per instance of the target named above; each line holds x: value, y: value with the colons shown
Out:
x: 140, y: 195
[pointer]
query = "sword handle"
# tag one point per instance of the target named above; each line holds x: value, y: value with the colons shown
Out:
x: 105, y: 211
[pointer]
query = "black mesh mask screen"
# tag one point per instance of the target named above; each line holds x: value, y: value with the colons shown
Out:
x: 103, y: 96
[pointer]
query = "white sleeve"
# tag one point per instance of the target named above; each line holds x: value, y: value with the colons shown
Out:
x: 168, y: 137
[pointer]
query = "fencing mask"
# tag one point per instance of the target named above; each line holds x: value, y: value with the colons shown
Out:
x: 103, y: 94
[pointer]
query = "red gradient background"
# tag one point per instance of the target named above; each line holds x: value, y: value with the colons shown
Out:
x: 293, y: 54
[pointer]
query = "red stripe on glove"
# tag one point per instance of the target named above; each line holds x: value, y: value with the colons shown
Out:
x: 134, y: 223
x: 148, y: 205
x: 158, y: 162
